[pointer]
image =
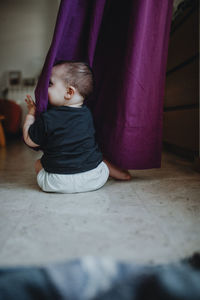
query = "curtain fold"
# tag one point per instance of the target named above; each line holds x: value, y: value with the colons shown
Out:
x: 126, y: 45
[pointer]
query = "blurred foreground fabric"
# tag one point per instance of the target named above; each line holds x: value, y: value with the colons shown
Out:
x: 92, y: 278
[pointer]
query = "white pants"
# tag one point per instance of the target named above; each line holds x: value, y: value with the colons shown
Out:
x: 73, y: 183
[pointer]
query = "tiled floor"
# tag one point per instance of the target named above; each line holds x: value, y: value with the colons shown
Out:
x: 153, y: 218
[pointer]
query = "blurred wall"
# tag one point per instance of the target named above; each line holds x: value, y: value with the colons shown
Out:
x: 181, y: 104
x: 26, y: 28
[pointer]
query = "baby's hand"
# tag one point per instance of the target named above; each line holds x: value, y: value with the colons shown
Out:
x: 30, y: 105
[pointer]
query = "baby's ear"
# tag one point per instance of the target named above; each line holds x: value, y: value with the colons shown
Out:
x: 69, y: 93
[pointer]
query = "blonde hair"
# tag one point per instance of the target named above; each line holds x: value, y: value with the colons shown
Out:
x: 78, y: 75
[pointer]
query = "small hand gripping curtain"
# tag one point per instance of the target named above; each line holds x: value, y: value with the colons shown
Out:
x: 126, y: 45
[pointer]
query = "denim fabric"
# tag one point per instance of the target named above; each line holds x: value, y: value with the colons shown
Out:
x: 101, y: 278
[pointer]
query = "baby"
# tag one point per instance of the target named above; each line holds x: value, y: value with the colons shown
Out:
x: 71, y: 161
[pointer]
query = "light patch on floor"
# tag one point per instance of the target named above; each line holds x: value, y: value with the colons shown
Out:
x: 155, y: 218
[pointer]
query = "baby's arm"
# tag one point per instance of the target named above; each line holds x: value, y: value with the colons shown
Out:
x: 29, y: 120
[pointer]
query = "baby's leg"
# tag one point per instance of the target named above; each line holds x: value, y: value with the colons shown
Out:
x: 38, y: 166
x: 116, y: 172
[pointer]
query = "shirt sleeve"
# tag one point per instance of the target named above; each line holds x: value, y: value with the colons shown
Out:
x: 37, y: 131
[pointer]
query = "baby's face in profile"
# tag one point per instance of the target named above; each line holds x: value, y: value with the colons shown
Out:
x: 57, y: 88
x: 60, y: 93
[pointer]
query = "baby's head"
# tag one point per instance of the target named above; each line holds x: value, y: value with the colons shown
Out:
x: 70, y: 84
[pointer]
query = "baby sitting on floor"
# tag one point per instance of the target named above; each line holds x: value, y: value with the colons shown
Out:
x: 71, y: 161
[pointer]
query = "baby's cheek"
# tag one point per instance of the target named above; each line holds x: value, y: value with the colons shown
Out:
x: 49, y: 92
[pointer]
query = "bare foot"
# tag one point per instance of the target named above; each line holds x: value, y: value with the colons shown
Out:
x: 38, y: 166
x: 117, y: 173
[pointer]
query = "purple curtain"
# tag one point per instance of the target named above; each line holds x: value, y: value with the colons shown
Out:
x: 126, y: 44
